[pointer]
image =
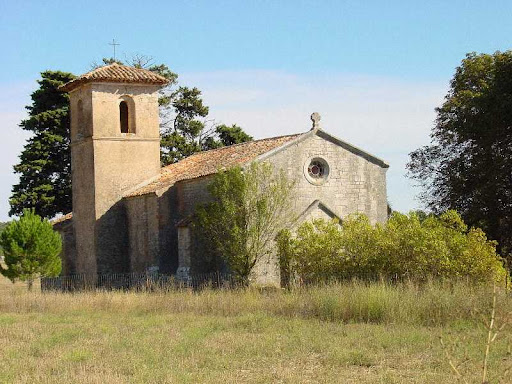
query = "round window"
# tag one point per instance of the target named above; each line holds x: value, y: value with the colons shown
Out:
x: 316, y: 171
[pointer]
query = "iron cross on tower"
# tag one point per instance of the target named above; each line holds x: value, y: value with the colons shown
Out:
x: 113, y: 44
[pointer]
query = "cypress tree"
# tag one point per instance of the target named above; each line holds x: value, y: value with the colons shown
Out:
x: 45, y: 167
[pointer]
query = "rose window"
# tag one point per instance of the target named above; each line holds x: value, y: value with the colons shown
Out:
x: 316, y: 171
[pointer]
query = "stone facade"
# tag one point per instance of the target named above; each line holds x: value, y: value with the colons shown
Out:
x: 129, y: 215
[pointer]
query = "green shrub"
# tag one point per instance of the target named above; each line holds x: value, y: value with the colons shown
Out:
x: 406, y: 246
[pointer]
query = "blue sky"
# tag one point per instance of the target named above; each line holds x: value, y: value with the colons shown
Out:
x: 374, y: 70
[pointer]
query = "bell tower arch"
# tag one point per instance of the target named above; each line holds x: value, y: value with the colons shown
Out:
x: 115, y: 146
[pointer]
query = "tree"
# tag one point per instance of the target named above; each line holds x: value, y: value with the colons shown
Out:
x: 467, y: 166
x: 31, y: 249
x: 250, y: 206
x: 45, y: 163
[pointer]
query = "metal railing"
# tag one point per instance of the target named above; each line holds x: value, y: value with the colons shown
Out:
x: 136, y: 281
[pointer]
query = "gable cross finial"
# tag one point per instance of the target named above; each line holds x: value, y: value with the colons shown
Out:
x: 114, y: 44
x: 315, y: 118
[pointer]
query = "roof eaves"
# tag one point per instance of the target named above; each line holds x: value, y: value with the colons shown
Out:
x: 63, y: 221
x: 298, y: 139
x: 132, y: 191
x: 352, y: 148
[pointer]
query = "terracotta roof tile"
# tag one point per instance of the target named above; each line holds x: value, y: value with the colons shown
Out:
x: 62, y: 219
x: 209, y: 162
x: 115, y: 73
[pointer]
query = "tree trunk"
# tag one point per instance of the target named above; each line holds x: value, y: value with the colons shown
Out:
x: 30, y: 283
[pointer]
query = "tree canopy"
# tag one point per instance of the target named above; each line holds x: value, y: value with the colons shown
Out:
x: 31, y: 248
x: 45, y: 162
x: 467, y: 166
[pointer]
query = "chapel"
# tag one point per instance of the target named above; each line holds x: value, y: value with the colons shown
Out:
x: 132, y: 215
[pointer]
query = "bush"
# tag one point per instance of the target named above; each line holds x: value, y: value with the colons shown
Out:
x: 407, y: 246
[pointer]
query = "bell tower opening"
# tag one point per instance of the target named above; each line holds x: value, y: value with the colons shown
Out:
x: 81, y: 120
x: 123, y: 117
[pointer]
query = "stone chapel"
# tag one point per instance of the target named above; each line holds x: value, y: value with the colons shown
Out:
x: 130, y: 214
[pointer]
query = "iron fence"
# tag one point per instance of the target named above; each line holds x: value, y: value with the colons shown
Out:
x: 136, y: 281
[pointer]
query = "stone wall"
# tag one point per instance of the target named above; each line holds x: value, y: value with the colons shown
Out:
x: 68, y: 253
x: 191, y: 193
x: 168, y: 217
x: 143, y: 232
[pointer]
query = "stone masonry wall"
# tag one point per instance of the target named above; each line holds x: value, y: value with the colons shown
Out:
x: 143, y: 233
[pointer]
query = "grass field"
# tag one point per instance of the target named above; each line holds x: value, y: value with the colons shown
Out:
x: 350, y: 333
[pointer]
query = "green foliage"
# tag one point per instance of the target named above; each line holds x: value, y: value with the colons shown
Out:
x: 407, y: 246
x: 45, y: 163
x: 31, y: 248
x: 231, y: 135
x: 2, y: 227
x: 250, y: 206
x: 467, y: 165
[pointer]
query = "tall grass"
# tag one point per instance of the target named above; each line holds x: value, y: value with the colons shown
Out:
x: 431, y: 304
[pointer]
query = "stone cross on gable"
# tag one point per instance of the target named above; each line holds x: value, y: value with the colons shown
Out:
x: 315, y: 118
x: 114, y: 44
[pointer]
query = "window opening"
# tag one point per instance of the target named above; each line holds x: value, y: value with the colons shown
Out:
x: 123, y: 116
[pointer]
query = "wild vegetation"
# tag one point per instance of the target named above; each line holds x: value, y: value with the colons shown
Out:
x: 353, y: 332
x: 406, y: 246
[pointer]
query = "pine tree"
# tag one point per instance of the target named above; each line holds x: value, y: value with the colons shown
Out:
x: 31, y: 248
x: 45, y: 165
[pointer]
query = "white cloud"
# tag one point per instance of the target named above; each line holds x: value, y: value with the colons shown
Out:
x: 387, y: 117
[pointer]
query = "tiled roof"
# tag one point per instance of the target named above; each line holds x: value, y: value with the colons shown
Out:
x: 209, y: 162
x: 115, y: 73
x: 62, y: 219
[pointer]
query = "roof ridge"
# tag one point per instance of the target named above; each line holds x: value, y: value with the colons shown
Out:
x: 231, y: 146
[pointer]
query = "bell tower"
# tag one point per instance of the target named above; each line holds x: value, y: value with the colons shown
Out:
x: 115, y: 146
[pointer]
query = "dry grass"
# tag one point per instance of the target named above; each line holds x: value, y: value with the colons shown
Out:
x: 347, y: 333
